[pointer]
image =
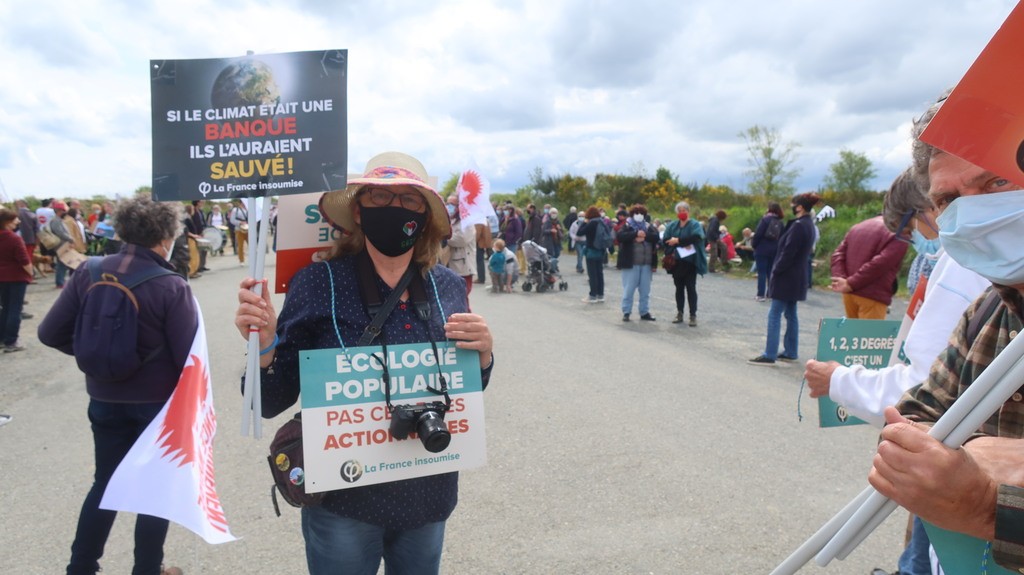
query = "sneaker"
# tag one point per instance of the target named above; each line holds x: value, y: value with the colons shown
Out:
x: 600, y: 299
x: 26, y: 315
x: 789, y: 358
x: 679, y: 318
x: 13, y: 348
x: 625, y: 317
x: 647, y: 317
x: 760, y: 298
x: 693, y: 321
x: 762, y: 360
x: 170, y: 571
x: 5, y: 419
x: 589, y: 299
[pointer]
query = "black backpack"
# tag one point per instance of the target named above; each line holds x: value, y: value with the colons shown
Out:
x: 602, y: 237
x: 107, y: 326
x: 774, y: 230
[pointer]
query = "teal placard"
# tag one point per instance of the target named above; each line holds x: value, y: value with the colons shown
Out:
x: 334, y: 377
x: 959, y: 553
x: 868, y: 342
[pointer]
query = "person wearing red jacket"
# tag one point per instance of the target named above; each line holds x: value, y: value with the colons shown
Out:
x: 864, y: 268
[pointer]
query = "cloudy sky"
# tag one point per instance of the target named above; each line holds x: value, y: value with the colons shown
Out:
x: 570, y: 86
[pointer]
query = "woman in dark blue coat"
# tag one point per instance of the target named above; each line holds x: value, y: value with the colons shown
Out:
x: 766, y: 245
x: 788, y: 282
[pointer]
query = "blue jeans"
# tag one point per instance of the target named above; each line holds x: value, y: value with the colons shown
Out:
x: 12, y: 299
x: 595, y: 273
x: 580, y: 248
x: 341, y: 546
x: 59, y: 271
x: 914, y: 559
x: 764, y: 271
x: 633, y: 279
x: 115, y: 427
x: 789, y: 342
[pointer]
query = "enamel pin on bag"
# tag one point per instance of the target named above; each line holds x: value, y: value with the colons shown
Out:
x: 288, y: 469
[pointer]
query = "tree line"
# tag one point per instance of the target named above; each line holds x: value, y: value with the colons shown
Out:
x: 771, y: 175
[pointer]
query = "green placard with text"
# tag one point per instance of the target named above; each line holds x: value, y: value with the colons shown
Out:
x: 867, y: 342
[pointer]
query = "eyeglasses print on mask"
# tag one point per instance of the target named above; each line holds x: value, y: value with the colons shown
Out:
x: 382, y: 197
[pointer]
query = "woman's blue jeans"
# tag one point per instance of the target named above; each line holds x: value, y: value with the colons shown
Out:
x: 634, y: 279
x: 790, y: 341
x: 915, y: 560
x: 59, y: 271
x: 338, y: 545
x: 115, y: 427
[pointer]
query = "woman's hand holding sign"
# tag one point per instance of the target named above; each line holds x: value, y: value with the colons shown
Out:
x: 256, y: 311
x: 471, y: 332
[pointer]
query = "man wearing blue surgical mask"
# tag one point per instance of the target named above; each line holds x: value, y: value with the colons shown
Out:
x: 979, y: 489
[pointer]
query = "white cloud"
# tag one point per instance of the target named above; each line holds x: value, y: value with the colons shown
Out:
x: 580, y: 86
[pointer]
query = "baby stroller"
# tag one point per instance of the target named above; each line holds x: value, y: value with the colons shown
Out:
x: 541, y: 270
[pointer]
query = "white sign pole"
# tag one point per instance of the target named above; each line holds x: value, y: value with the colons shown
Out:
x: 252, y: 407
x: 978, y: 403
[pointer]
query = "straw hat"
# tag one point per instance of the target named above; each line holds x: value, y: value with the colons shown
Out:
x: 384, y: 170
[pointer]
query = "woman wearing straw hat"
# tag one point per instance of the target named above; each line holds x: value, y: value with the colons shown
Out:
x: 394, y: 221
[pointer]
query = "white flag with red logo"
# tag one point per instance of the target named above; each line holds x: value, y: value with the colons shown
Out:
x: 474, y: 198
x: 168, y: 473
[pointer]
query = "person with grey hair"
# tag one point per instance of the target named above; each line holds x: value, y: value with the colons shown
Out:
x: 865, y: 393
x: 982, y: 488
x: 684, y: 238
x: 121, y: 410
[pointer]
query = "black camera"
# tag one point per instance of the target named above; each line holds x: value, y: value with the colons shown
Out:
x: 427, y: 420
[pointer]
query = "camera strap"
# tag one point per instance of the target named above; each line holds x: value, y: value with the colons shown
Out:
x: 379, y: 313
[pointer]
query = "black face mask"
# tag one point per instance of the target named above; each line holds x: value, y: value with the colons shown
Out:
x: 795, y: 212
x: 392, y: 230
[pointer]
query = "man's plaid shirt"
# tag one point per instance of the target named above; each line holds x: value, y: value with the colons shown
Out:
x: 952, y: 373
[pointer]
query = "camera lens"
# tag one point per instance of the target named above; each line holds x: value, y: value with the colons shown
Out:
x: 433, y: 432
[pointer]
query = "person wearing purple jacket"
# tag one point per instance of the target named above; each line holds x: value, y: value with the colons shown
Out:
x: 120, y: 411
x: 512, y: 230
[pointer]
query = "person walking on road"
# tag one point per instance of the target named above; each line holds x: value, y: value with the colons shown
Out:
x: 766, y: 245
x: 594, y: 254
x: 865, y: 266
x: 120, y: 411
x: 789, y: 282
x: 685, y: 237
x: 638, y: 258
x: 15, y: 275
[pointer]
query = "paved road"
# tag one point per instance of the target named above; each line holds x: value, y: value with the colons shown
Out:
x: 613, y: 447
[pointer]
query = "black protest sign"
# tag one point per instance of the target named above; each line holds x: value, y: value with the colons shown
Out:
x: 254, y: 126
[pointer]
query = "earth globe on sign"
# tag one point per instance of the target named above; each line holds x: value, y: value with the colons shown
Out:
x: 245, y: 83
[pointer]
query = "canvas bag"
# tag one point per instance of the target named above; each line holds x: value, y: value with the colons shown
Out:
x: 47, y: 238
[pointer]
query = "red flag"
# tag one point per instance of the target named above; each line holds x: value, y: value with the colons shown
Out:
x: 982, y: 120
x: 474, y: 199
x: 169, y: 471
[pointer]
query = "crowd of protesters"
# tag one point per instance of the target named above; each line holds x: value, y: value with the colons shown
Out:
x: 864, y: 266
